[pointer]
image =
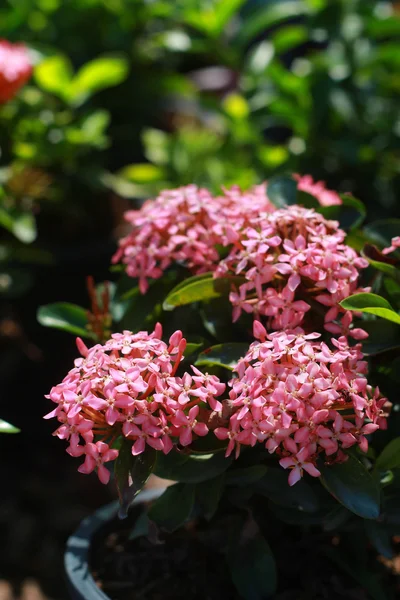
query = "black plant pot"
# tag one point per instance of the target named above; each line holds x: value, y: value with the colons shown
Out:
x: 81, y: 584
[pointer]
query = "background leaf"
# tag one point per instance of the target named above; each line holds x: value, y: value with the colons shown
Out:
x: 352, y: 485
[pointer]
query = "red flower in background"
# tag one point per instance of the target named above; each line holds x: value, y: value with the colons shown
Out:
x: 15, y: 69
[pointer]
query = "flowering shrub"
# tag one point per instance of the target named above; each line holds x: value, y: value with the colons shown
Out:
x: 269, y: 366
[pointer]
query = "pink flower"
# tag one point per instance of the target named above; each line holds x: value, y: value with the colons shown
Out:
x: 15, y: 69
x: 291, y: 258
x: 317, y: 189
x: 185, y: 226
x: 96, y: 455
x: 301, y: 399
x: 395, y: 243
x: 128, y: 387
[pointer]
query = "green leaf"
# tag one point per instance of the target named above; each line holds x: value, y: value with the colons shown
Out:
x: 98, y: 74
x: 7, y: 427
x: 65, y: 316
x: 131, y: 474
x: 274, y: 485
x: 386, y: 268
x: 380, y: 537
x: 282, y: 191
x: 200, y: 288
x: 21, y: 224
x: 389, y: 458
x: 267, y: 16
x: 246, y: 475
x: 223, y: 355
x: 382, y: 232
x: 192, y: 348
x: 252, y: 566
x: 383, y: 337
x: 289, y: 37
x: 54, y: 75
x: 371, y: 304
x: 353, y: 486
x: 208, y: 495
x: 191, y: 468
x: 174, y: 507
x: 350, y: 214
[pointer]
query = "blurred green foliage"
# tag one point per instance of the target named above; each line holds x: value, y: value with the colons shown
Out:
x: 130, y: 96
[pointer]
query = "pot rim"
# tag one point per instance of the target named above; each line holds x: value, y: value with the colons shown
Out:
x: 78, y: 544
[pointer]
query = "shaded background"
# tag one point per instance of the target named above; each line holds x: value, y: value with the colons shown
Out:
x: 129, y: 97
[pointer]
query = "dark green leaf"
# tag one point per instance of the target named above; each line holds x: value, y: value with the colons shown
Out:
x: 282, y: 191
x: 350, y: 214
x: 274, y: 485
x: 223, y: 355
x: 199, y: 289
x: 353, y: 486
x: 371, y: 304
x: 382, y: 232
x: 7, y: 427
x: 174, y: 507
x: 191, y: 468
x: 208, y: 495
x: 65, y: 316
x: 382, y: 337
x: 252, y: 566
x: 389, y: 458
x: 380, y: 537
x: 246, y: 475
x: 131, y: 474
x: 266, y: 16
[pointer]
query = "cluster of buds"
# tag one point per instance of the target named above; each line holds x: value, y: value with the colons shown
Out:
x: 129, y: 387
x: 289, y: 259
x: 15, y: 69
x: 302, y: 400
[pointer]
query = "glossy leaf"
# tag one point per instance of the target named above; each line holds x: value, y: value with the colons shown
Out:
x: 191, y: 468
x: 100, y: 73
x: 7, y: 427
x: 268, y: 15
x: 353, y: 486
x: 197, y: 289
x: 223, y: 355
x: 371, y: 304
x: 20, y: 223
x: 282, y: 191
x: 383, y: 231
x: 252, y: 566
x: 350, y: 214
x: 208, y: 495
x: 383, y: 337
x: 389, y: 458
x: 65, y: 316
x: 246, y: 475
x: 174, y: 507
x: 274, y: 485
x: 380, y: 537
x: 54, y: 75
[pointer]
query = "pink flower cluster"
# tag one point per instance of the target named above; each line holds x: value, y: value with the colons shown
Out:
x: 290, y: 259
x: 128, y: 387
x: 305, y: 183
x: 301, y: 399
x: 15, y: 69
x: 185, y: 226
